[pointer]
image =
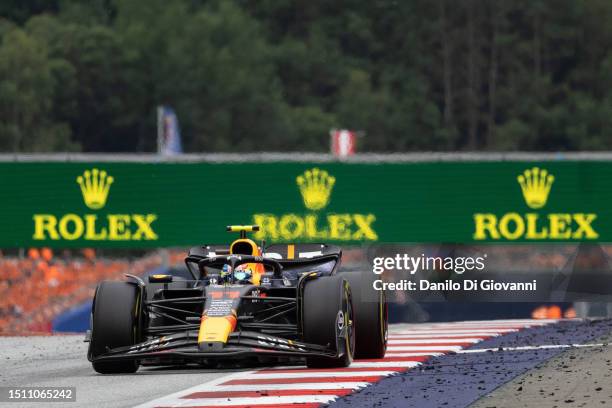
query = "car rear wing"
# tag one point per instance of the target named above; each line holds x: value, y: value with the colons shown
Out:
x: 285, y: 252
x: 287, y: 255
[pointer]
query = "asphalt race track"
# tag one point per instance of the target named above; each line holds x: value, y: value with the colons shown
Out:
x: 442, y: 364
x: 61, y: 361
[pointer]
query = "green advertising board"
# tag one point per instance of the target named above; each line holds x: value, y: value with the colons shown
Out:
x: 133, y: 204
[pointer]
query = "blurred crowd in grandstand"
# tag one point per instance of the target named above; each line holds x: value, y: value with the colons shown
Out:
x: 37, y: 287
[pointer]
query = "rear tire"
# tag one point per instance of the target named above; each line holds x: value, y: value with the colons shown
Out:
x: 324, y: 298
x: 115, y: 315
x: 370, y: 310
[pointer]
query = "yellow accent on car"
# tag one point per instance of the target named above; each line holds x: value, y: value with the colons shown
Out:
x: 160, y: 278
x: 290, y: 251
x: 213, y: 329
x: 246, y: 228
x: 244, y: 246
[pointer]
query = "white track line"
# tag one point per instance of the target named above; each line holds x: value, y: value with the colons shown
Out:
x: 438, y: 335
x: 472, y: 326
x: 487, y: 322
x: 541, y: 347
x: 422, y: 354
x: 462, y: 327
x: 383, y: 363
x: 393, y: 341
x: 455, y: 332
x: 352, y: 385
x: 325, y: 374
x: 223, y: 402
x: 424, y: 348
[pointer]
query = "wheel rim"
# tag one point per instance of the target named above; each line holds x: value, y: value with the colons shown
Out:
x: 350, y: 332
x: 384, y: 315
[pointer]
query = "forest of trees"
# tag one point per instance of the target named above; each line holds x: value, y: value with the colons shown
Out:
x: 277, y: 75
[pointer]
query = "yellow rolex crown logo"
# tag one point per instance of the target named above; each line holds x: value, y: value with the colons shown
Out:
x: 535, y: 184
x: 315, y: 186
x: 94, y: 187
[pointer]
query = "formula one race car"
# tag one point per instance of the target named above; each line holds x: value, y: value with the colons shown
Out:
x: 281, y: 303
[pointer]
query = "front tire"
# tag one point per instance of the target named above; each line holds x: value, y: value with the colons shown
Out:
x: 328, y: 308
x: 115, y: 314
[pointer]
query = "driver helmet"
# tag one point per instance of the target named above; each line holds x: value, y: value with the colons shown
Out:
x: 243, y: 273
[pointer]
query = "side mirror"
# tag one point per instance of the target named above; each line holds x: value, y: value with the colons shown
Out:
x: 160, y: 278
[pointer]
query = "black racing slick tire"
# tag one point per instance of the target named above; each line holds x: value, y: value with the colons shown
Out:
x: 371, y: 315
x: 327, y: 308
x: 115, y: 314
